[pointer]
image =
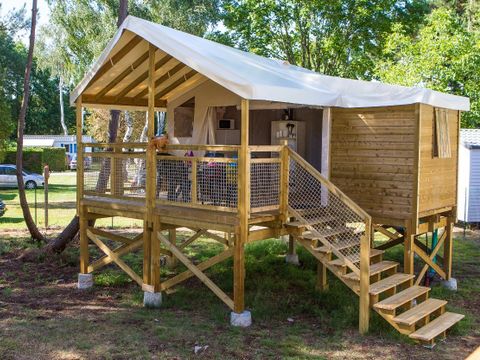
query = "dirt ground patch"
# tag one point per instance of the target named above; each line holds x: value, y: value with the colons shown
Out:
x: 44, y: 316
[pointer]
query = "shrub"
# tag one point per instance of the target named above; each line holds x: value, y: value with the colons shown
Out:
x: 32, y: 159
x: 35, y: 158
x: 55, y: 158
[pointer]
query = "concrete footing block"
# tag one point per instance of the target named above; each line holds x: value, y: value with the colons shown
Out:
x: 243, y: 319
x: 152, y: 299
x: 450, y: 284
x: 85, y: 281
x: 292, y: 259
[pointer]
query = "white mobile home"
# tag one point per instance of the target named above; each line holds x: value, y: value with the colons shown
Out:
x: 69, y: 142
x: 469, y: 176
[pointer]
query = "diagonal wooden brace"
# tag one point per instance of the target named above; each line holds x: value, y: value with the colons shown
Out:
x: 115, y: 257
x: 431, y: 257
x: 196, y: 271
x: 187, y: 274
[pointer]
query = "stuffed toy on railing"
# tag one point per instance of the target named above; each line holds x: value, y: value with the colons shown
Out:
x: 159, y: 142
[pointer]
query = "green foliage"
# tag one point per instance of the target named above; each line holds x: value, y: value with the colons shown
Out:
x: 333, y: 37
x: 81, y: 28
x: 43, y: 115
x: 444, y: 56
x: 35, y: 158
x: 32, y: 159
x: 55, y: 158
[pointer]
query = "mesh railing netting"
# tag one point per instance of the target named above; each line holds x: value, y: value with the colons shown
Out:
x: 327, y: 217
x: 129, y: 176
x: 264, y: 185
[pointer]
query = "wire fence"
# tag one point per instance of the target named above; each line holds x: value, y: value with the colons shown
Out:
x: 326, y: 216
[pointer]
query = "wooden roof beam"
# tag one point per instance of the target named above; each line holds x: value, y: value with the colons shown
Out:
x: 162, y: 78
x: 112, y: 101
x: 116, y: 58
x: 176, y: 84
x: 143, y: 77
x: 123, y: 75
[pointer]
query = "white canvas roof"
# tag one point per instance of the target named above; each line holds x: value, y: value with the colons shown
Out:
x: 254, y: 77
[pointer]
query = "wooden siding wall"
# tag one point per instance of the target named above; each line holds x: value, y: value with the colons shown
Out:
x: 437, y: 177
x: 372, y: 159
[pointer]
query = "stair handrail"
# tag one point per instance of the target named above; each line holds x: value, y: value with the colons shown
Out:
x: 365, y: 240
x: 329, y: 185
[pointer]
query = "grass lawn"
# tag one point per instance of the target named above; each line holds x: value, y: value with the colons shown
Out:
x: 44, y: 316
x: 61, y: 199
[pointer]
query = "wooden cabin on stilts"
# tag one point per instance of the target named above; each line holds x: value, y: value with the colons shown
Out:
x: 261, y: 149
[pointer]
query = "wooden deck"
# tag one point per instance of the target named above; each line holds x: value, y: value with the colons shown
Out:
x: 176, y: 216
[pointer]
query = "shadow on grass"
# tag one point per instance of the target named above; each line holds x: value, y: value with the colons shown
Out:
x: 10, y: 220
x: 8, y: 197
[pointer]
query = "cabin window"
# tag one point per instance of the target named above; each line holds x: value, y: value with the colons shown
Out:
x: 183, y: 119
x: 441, y: 139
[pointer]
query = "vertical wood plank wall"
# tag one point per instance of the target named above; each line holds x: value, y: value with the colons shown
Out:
x: 438, y: 177
x: 372, y: 158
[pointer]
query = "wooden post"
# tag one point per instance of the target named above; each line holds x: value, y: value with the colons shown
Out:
x: 84, y: 256
x: 155, y: 255
x: 150, y: 253
x: 46, y: 176
x: 322, y: 281
x: 364, y: 313
x: 284, y: 176
x: 409, y: 252
x: 448, y: 248
x: 79, y: 119
x: 241, y: 237
x: 172, y: 237
x: 291, y: 245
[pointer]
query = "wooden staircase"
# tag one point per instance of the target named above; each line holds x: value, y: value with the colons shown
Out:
x: 406, y: 307
x: 338, y: 233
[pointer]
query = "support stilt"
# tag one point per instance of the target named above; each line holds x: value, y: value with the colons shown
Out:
x: 292, y: 256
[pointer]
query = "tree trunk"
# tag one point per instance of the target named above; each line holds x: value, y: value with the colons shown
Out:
x: 32, y: 227
x: 71, y: 231
x: 62, y: 113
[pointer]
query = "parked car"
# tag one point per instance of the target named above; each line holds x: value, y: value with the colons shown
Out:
x: 3, y: 208
x: 8, y: 177
x: 73, y: 164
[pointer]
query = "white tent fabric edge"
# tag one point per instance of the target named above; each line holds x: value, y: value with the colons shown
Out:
x: 254, y: 77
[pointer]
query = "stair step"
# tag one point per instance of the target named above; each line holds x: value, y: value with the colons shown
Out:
x: 337, y: 262
x: 373, y: 253
x: 341, y: 262
x: 389, y: 283
x: 375, y: 269
x: 437, y: 326
x: 313, y: 221
x: 323, y: 249
x: 401, y: 298
x: 296, y: 224
x: 418, y: 312
x: 334, y: 231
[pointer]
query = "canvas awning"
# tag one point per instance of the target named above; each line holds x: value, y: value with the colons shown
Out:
x: 119, y: 77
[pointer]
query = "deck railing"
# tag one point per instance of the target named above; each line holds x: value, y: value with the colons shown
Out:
x: 204, y: 176
x: 114, y: 170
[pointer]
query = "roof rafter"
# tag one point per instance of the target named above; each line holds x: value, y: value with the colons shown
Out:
x: 143, y: 77
x: 112, y: 100
x: 116, y: 58
x: 162, y: 78
x: 123, y: 75
x: 176, y: 84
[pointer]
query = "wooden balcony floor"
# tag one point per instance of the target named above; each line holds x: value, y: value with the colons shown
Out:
x: 174, y: 215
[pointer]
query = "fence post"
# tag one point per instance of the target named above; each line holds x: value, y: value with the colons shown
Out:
x: 364, y: 315
x: 284, y: 174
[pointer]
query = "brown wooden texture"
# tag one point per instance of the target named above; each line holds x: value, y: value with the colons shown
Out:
x: 372, y: 158
x: 438, y: 176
